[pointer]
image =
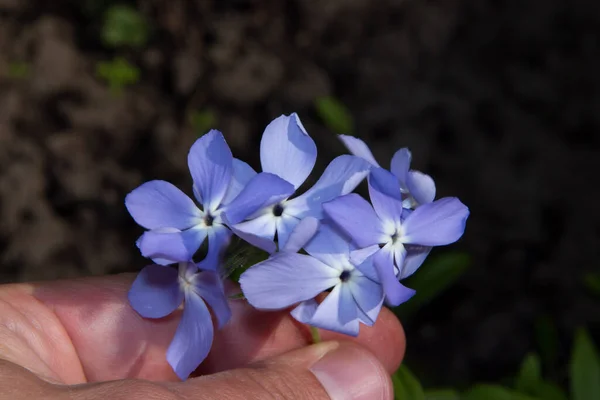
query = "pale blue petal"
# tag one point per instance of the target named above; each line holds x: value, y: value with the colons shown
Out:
x: 209, y: 286
x: 367, y: 268
x: 341, y: 177
x: 159, y: 204
x: 263, y: 190
x: 175, y: 246
x: 359, y: 256
x: 285, y: 227
x: 210, y: 162
x: 286, y: 150
x: 219, y: 237
x: 329, y: 247
x: 155, y: 292
x: 304, y: 231
x: 434, y: 224
x: 368, y: 296
x: 415, y: 256
x: 241, y: 175
x: 337, y: 312
x: 358, y: 148
x: 305, y: 311
x: 193, y: 338
x: 395, y: 292
x: 421, y: 187
x: 400, y: 165
x: 356, y: 218
x: 264, y: 224
x: 385, y: 195
x: 286, y: 279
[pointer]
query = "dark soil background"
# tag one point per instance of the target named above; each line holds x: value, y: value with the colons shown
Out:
x: 498, y: 100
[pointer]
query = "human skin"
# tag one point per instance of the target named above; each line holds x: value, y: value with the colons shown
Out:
x: 80, y: 339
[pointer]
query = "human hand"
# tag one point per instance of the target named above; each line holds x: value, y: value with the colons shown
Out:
x: 80, y: 339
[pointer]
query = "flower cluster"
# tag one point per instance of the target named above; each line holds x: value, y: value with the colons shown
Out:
x: 326, y: 239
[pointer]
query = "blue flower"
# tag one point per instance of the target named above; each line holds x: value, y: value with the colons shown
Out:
x: 397, y: 231
x: 159, y: 290
x: 418, y: 188
x: 177, y: 227
x: 287, y: 151
x: 289, y: 278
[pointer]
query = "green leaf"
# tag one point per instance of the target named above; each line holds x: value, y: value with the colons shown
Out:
x: 493, y: 392
x: 335, y: 115
x: 117, y: 73
x: 442, y: 394
x: 406, y: 385
x: 592, y: 283
x: 202, y: 121
x: 18, y: 70
x: 241, y: 258
x: 530, y: 374
x: 549, y: 391
x: 124, y: 26
x: 585, y: 368
x: 435, y: 276
x: 547, y: 341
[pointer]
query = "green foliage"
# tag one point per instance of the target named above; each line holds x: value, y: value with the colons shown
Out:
x: 493, y: 392
x: 592, y: 283
x: 530, y: 375
x: 241, y: 258
x: 406, y: 385
x: 585, y: 368
x: 436, y: 275
x: 442, y: 394
x: 335, y: 115
x: 202, y: 121
x: 124, y: 26
x: 117, y: 73
x: 547, y: 341
x: 18, y: 70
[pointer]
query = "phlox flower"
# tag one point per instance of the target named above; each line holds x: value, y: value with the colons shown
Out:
x: 159, y: 290
x: 287, y: 151
x: 177, y: 227
x: 404, y: 237
x: 289, y: 278
x: 418, y: 188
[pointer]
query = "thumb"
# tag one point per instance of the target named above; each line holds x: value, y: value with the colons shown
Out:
x: 329, y: 370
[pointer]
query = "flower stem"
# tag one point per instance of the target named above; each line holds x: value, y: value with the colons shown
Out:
x: 316, y: 336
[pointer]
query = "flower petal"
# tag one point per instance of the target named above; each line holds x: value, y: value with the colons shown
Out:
x: 174, y: 246
x: 395, y: 292
x: 287, y: 150
x: 385, y: 196
x: 210, y: 162
x: 218, y: 240
x: 265, y: 225
x: 435, y: 224
x: 355, y: 216
x: 400, y: 165
x: 368, y: 296
x: 421, y: 187
x: 155, y: 292
x: 366, y: 267
x: 159, y: 204
x: 358, y: 148
x: 341, y: 177
x: 329, y: 247
x: 305, y: 311
x: 337, y: 312
x: 286, y: 279
x: 210, y: 287
x: 241, y: 175
x: 263, y: 190
x: 193, y: 338
x: 359, y: 256
x: 304, y: 231
x: 415, y: 256
x: 285, y: 227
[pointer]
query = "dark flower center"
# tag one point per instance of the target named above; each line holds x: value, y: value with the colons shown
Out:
x: 344, y: 276
x: 278, y: 210
x: 208, y: 219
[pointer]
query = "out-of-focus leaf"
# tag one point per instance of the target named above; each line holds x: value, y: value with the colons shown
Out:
x: 530, y: 375
x: 435, y: 276
x: 242, y: 258
x: 493, y: 392
x: 584, y: 368
x: 203, y: 121
x: 117, y: 73
x: 335, y: 115
x: 547, y: 341
x: 549, y: 391
x: 124, y: 26
x: 18, y: 70
x: 406, y: 385
x: 442, y: 394
x: 592, y: 283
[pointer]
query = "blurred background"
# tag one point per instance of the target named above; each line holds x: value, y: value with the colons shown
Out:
x: 498, y: 100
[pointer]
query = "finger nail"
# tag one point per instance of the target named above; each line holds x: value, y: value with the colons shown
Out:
x: 349, y: 372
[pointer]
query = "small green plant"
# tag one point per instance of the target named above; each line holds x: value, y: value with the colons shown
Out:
x: 117, y: 73
x: 335, y: 115
x: 18, y: 70
x: 202, y: 121
x: 124, y: 26
x: 592, y: 283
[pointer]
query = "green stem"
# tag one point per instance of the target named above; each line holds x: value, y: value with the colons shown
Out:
x: 316, y: 336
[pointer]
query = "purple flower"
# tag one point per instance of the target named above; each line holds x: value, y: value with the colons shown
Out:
x: 177, y: 227
x: 395, y: 230
x: 287, y: 151
x: 418, y: 188
x: 289, y: 278
x: 159, y: 290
